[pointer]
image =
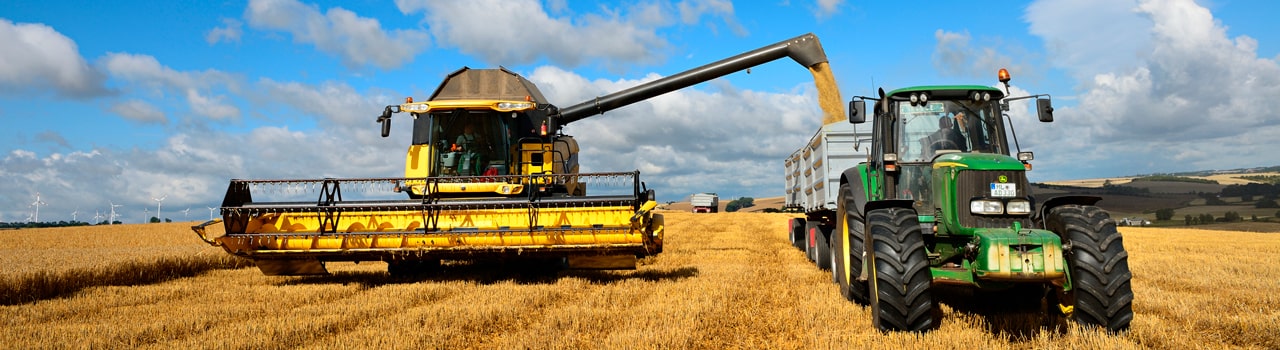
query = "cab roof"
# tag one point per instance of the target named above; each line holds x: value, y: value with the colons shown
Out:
x: 946, y: 92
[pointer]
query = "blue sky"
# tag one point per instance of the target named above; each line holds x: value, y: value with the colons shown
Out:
x: 122, y: 102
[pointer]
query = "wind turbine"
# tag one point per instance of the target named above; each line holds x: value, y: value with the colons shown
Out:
x: 112, y: 219
x: 186, y: 212
x: 211, y: 212
x: 146, y: 215
x: 158, y: 201
x: 73, y: 214
x: 97, y: 217
x: 37, y: 204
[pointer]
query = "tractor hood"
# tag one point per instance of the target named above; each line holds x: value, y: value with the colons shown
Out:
x: 978, y: 161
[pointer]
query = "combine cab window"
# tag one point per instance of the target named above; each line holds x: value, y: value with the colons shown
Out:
x: 947, y: 126
x: 467, y: 143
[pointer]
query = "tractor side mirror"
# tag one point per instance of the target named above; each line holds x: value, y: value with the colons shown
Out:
x: 857, y: 111
x: 1044, y: 109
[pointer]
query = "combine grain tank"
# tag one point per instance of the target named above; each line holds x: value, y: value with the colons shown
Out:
x: 488, y: 175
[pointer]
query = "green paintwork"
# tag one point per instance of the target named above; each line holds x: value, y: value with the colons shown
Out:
x: 1005, y: 255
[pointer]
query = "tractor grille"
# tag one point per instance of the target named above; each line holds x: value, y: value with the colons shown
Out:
x: 972, y: 184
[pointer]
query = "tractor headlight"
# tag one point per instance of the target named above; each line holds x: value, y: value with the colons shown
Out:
x: 1018, y: 207
x: 986, y: 207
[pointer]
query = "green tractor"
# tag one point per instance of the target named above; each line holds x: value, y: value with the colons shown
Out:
x: 941, y: 204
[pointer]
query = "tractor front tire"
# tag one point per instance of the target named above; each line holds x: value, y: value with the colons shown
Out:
x: 900, y: 277
x: 1099, y: 266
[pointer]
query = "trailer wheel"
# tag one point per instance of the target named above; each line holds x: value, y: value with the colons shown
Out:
x: 822, y: 247
x: 810, y: 237
x: 849, y: 261
x: 797, y: 232
x: 900, y: 275
x: 1098, y: 265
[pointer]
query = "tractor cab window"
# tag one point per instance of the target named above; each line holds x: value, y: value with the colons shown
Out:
x: 468, y: 143
x: 929, y: 129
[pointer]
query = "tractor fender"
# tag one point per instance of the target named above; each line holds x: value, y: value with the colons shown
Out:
x: 1058, y: 201
x: 853, y: 177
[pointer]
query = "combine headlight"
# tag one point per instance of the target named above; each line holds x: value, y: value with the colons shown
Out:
x: 415, y: 107
x: 1018, y: 207
x: 513, y: 106
x: 986, y: 207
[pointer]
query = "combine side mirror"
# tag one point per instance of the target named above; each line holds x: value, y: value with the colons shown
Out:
x: 1044, y: 110
x: 857, y: 111
x: 385, y: 119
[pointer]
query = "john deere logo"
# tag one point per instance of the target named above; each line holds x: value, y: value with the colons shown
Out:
x: 1003, y: 179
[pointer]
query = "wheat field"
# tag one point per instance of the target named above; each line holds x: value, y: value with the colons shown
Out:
x: 727, y: 280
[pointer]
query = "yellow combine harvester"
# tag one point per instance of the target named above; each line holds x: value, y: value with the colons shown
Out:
x: 489, y: 175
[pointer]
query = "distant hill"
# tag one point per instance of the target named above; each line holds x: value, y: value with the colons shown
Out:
x: 760, y: 204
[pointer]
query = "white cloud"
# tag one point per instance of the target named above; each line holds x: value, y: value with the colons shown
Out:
x: 195, y: 86
x: 954, y: 56
x: 690, y: 140
x: 1189, y: 101
x: 356, y: 40
x: 526, y: 32
x: 139, y: 111
x: 36, y: 55
x: 828, y: 8
x: 691, y: 12
x: 230, y: 31
x: 1089, y: 37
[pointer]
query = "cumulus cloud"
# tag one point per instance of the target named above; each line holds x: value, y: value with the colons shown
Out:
x: 955, y: 56
x: 828, y: 8
x: 691, y: 12
x: 139, y: 111
x: 527, y: 32
x: 196, y: 86
x: 356, y: 40
x: 230, y: 31
x: 36, y: 55
x: 1193, y: 99
x: 693, y: 139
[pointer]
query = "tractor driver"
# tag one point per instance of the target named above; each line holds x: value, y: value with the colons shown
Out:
x: 948, y: 135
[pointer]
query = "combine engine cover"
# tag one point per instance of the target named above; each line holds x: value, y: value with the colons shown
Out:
x: 312, y: 222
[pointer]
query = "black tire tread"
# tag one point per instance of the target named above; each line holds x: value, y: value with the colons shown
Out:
x: 902, y: 300
x: 1099, y: 266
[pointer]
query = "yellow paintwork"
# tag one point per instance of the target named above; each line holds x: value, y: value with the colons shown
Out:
x: 580, y: 228
x: 1005, y: 266
x: 496, y: 105
x: 949, y: 164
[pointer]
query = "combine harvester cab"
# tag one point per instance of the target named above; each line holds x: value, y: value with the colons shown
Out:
x: 489, y: 175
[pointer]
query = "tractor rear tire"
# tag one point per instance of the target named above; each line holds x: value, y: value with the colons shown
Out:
x: 1099, y: 265
x: 822, y: 247
x: 850, y: 227
x: 796, y: 233
x: 900, y: 276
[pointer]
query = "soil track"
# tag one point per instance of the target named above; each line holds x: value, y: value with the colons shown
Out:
x: 728, y: 280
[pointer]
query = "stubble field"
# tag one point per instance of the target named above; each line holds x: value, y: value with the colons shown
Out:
x: 727, y: 280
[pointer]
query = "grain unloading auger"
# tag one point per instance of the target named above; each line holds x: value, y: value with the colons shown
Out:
x: 489, y: 175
